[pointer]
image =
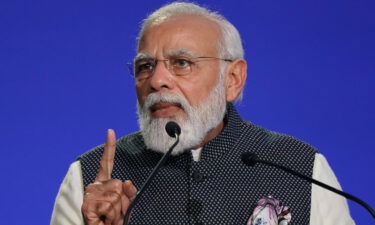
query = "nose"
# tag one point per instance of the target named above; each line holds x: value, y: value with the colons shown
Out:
x: 161, y: 78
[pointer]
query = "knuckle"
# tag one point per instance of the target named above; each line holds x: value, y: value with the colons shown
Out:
x: 87, y: 208
x: 104, y: 206
x: 87, y: 197
x: 113, y: 196
x: 91, y: 188
x: 117, y: 184
x: 113, y: 185
x: 84, y: 207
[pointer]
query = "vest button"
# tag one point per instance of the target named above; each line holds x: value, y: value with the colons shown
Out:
x: 197, y: 176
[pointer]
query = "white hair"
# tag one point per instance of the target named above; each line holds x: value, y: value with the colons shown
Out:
x: 229, y: 45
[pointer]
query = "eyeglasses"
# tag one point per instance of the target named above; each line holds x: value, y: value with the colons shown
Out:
x: 176, y: 65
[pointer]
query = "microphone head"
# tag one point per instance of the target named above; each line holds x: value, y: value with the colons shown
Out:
x: 249, y: 158
x: 172, y: 129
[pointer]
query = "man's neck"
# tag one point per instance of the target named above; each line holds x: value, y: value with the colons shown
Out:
x: 211, y: 135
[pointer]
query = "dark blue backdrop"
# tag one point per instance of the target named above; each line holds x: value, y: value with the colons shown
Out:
x: 63, y: 83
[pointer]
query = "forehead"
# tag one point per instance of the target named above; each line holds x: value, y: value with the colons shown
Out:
x: 195, y: 34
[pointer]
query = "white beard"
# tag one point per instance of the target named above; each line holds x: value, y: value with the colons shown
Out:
x: 200, y: 120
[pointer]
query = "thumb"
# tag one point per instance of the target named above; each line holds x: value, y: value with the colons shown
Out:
x: 129, y: 189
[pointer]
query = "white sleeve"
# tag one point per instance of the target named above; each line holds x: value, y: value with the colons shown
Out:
x: 67, y: 209
x: 327, y: 207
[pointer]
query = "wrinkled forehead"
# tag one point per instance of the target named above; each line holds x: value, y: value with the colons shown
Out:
x: 181, y: 34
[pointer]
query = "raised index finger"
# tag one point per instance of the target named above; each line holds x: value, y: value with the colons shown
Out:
x: 106, y: 163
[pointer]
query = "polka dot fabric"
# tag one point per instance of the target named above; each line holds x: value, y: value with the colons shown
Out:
x: 218, y: 189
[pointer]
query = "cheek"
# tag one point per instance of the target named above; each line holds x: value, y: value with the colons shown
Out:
x: 141, y: 93
x: 196, y: 90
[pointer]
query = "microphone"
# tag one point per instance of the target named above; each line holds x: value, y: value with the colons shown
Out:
x: 250, y: 159
x: 173, y: 130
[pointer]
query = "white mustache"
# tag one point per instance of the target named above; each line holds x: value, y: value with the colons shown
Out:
x: 155, y: 98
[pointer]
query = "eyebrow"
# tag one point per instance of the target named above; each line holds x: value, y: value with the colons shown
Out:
x: 174, y: 52
x: 181, y: 52
x: 142, y: 56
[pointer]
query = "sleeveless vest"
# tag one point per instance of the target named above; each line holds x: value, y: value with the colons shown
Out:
x: 219, y: 189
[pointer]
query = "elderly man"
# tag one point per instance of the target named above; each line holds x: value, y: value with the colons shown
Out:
x: 189, y: 69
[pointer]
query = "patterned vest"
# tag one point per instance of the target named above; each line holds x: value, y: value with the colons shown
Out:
x: 219, y: 189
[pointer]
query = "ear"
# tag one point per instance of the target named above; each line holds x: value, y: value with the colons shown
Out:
x: 235, y: 79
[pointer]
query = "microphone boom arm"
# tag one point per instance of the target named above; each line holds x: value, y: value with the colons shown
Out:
x: 150, y: 178
x: 300, y: 175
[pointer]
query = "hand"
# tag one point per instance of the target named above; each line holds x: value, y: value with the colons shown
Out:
x: 106, y: 200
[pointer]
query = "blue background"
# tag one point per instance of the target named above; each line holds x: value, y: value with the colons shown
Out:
x: 63, y: 83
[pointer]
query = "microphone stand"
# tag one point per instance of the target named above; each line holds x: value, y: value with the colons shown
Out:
x: 149, y: 179
x: 251, y: 159
x: 346, y: 195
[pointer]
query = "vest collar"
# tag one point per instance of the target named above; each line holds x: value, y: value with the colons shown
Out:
x: 233, y: 125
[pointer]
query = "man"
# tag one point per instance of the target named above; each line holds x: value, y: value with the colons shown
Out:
x: 189, y: 69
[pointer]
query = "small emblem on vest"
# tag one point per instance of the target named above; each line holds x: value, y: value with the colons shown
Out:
x: 270, y: 211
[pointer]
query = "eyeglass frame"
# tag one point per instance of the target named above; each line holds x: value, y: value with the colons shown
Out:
x: 168, y: 66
